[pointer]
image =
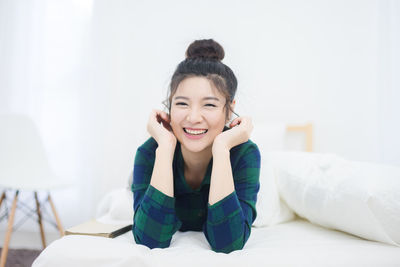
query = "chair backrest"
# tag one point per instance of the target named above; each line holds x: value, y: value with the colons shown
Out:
x: 22, y: 155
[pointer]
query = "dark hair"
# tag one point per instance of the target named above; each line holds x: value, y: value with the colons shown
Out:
x: 203, y: 58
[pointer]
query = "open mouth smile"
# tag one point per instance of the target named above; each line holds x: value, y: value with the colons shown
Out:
x: 195, y: 133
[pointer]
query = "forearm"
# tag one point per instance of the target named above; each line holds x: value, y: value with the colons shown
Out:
x: 155, y: 220
x: 221, y: 184
x: 225, y: 210
x: 162, y: 176
x: 226, y: 229
x: 231, y: 209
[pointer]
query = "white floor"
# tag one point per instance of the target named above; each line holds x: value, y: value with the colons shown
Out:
x: 28, y: 240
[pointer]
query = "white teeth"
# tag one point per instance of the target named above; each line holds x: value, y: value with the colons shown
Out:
x: 194, y: 131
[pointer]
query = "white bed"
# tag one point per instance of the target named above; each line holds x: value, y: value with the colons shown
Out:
x: 294, y: 243
x: 359, y: 200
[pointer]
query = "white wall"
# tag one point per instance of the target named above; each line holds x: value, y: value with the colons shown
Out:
x: 42, y: 74
x: 96, y: 69
x: 388, y: 86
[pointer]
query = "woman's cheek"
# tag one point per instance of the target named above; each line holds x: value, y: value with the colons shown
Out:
x: 174, y: 127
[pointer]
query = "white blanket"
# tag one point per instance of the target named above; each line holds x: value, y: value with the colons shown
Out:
x: 275, y: 240
x: 295, y: 243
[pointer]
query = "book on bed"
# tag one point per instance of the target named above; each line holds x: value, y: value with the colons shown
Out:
x: 95, y: 228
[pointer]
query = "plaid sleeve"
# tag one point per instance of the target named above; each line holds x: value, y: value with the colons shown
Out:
x: 229, y: 220
x: 155, y: 219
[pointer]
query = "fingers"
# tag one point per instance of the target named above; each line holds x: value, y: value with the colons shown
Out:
x: 234, y: 123
x: 162, y: 118
x: 239, y: 120
x: 161, y: 115
x: 244, y: 122
x: 165, y: 116
x: 159, y: 127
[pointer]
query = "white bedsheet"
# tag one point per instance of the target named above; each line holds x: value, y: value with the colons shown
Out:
x: 295, y: 243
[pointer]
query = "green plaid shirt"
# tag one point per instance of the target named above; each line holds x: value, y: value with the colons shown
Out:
x: 226, y: 224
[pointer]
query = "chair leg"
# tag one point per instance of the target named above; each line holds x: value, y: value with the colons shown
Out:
x: 3, y: 196
x: 40, y: 221
x: 4, y: 252
x: 53, y: 208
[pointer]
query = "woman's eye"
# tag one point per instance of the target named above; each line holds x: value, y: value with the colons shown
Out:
x: 210, y: 105
x: 180, y: 103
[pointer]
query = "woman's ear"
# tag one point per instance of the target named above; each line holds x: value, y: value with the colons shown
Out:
x: 232, y: 106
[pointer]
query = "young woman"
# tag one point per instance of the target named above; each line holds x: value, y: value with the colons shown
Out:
x: 194, y: 173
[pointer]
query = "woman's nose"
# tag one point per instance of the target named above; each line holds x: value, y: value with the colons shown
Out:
x: 194, y: 116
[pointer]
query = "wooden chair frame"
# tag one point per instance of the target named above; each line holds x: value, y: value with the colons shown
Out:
x: 40, y: 207
x: 308, y: 130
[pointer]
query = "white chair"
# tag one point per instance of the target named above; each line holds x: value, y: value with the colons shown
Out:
x: 24, y: 167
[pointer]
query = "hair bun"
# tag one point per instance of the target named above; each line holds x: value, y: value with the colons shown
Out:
x: 206, y: 48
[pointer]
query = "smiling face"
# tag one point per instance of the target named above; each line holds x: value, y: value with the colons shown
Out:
x: 197, y: 113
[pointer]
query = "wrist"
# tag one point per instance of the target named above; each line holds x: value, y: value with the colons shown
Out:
x: 220, y: 148
x: 166, y: 150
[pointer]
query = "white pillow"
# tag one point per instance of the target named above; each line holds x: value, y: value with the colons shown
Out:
x: 359, y: 198
x: 270, y: 138
x: 116, y: 205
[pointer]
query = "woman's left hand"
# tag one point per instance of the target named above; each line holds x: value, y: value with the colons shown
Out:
x: 239, y: 133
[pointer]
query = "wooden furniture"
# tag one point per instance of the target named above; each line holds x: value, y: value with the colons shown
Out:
x: 307, y: 129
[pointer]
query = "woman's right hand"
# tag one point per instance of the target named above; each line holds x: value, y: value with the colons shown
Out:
x: 160, y: 129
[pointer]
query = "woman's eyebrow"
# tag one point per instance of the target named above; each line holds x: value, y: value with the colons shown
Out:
x: 204, y: 98
x: 181, y: 97
x: 211, y: 98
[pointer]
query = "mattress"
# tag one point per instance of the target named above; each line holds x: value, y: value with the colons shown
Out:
x: 294, y: 243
